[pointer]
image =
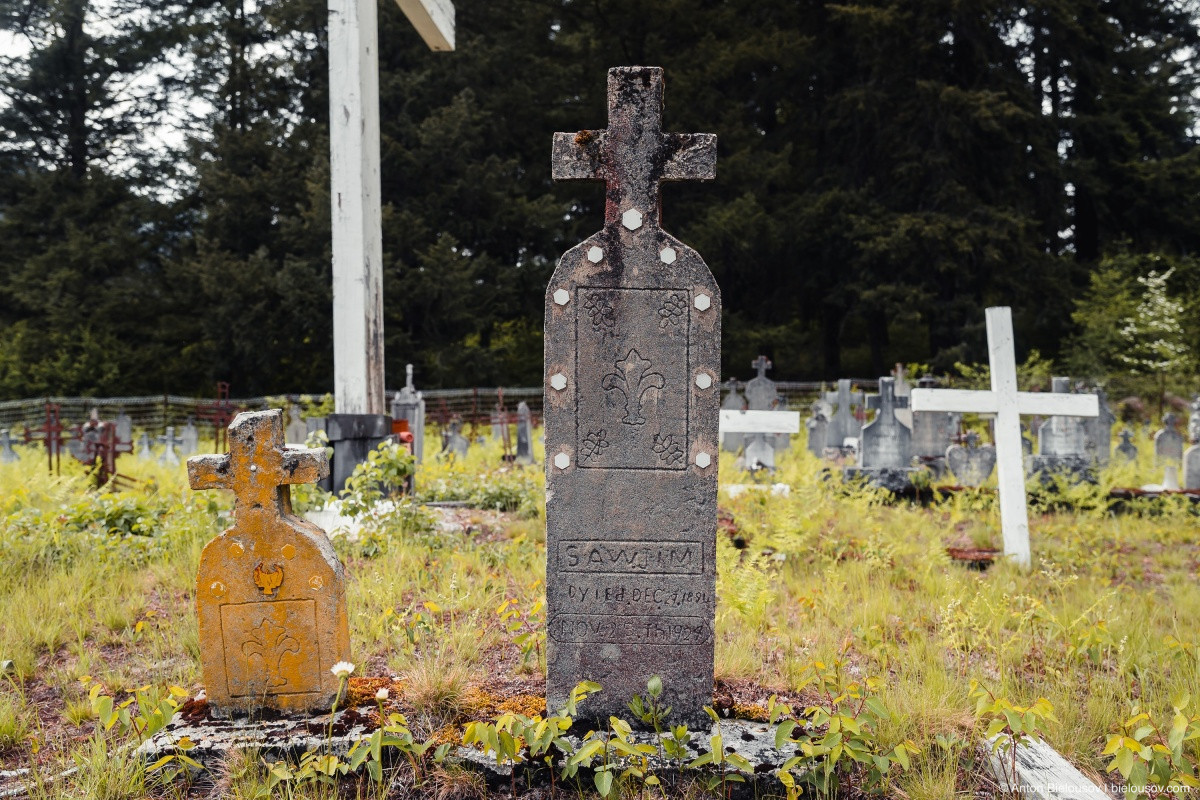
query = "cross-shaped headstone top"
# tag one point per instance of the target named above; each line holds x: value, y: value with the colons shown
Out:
x: 633, y: 155
x: 259, y: 466
x: 886, y: 401
x: 762, y: 364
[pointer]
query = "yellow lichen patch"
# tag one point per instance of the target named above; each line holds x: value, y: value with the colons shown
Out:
x: 480, y: 704
x: 751, y: 712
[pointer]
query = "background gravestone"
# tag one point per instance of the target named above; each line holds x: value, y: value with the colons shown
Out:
x: 524, y: 434
x: 124, y: 427
x: 170, y: 441
x: 1191, y: 467
x: 7, y: 454
x: 633, y: 353
x: 971, y: 464
x: 817, y: 426
x: 189, y: 439
x: 1062, y: 441
x: 297, y: 430
x: 1098, y: 432
x: 885, y: 449
x: 762, y: 395
x: 1168, y: 442
x: 270, y: 592
x: 409, y: 404
x: 145, y: 451
x: 843, y: 425
x: 453, y: 441
x: 904, y: 391
x: 932, y: 431
x: 1127, y: 449
x: 732, y: 442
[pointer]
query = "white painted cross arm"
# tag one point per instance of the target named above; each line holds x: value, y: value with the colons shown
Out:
x: 433, y: 19
x: 1044, y: 404
x: 735, y: 421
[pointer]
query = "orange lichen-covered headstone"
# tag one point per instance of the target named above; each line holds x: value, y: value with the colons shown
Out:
x: 270, y: 592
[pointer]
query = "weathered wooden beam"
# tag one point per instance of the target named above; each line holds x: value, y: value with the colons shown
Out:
x: 433, y: 19
x: 1040, y: 773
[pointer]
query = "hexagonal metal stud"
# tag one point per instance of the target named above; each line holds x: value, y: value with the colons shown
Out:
x: 632, y: 219
x: 558, y: 381
x: 595, y: 254
x: 703, y: 380
x: 562, y: 461
x: 667, y: 255
x: 562, y: 296
x: 703, y: 460
x: 702, y: 302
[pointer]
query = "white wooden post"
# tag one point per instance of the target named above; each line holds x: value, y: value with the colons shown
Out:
x: 354, y: 187
x: 1008, y: 405
x: 354, y: 196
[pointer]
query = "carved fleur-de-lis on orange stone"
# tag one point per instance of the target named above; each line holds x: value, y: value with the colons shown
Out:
x: 633, y: 379
x: 271, y: 643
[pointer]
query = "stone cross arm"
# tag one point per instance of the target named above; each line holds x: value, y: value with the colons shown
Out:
x: 1049, y: 404
x: 633, y: 155
x: 259, y: 462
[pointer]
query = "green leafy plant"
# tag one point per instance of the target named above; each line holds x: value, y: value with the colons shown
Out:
x: 1152, y: 758
x: 528, y: 628
x: 842, y: 733
x: 1009, y: 726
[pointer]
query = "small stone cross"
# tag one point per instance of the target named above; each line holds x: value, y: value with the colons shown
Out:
x: 270, y: 591
x: 886, y: 401
x: 170, y: 442
x: 259, y: 466
x: 762, y: 364
x: 633, y: 155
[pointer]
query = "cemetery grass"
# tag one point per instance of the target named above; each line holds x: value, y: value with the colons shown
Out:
x: 828, y: 580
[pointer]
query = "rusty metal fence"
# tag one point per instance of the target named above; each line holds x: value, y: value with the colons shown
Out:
x: 154, y: 413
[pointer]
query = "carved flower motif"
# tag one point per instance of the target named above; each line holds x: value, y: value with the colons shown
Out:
x: 669, y: 451
x: 592, y: 445
x: 604, y: 317
x: 672, y: 311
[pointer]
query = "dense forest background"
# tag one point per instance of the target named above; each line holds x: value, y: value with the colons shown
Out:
x: 887, y: 169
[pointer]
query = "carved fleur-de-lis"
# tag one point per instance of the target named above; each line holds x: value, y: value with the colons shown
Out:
x: 632, y: 379
x: 271, y: 643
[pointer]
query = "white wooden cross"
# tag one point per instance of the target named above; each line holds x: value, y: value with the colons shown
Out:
x: 1008, y: 405
x: 354, y: 190
x: 735, y: 421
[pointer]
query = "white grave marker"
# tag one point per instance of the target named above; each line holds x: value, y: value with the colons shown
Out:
x: 1008, y: 405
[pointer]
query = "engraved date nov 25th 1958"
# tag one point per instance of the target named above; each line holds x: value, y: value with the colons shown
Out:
x: 645, y: 558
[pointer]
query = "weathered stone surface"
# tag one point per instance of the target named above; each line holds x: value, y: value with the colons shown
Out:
x: 971, y: 464
x: 524, y: 434
x: 1127, y: 449
x: 353, y: 437
x: 632, y: 435
x: 843, y: 425
x: 1168, y: 442
x: 270, y: 592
